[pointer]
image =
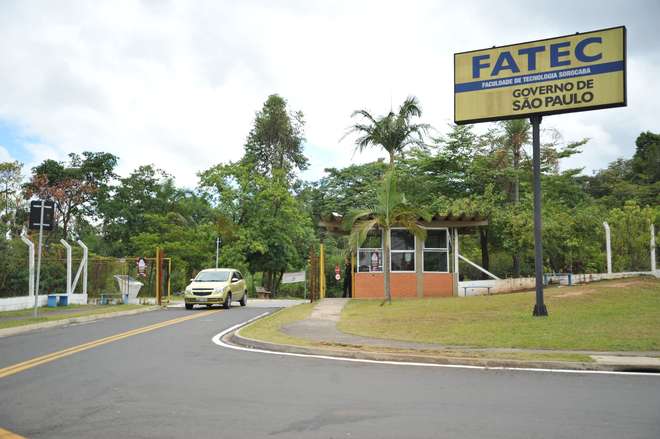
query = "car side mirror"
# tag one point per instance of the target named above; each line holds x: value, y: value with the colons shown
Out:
x: 192, y: 280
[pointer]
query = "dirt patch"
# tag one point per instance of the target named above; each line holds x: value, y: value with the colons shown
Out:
x: 575, y: 293
x: 624, y: 284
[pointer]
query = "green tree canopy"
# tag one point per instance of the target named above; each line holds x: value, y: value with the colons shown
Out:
x: 276, y: 139
x: 392, y: 132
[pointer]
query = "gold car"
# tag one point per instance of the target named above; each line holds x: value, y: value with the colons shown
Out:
x: 216, y: 286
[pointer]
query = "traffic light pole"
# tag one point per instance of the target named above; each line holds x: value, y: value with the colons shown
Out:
x: 540, y: 309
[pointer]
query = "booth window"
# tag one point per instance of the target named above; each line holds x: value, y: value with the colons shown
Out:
x: 436, y: 251
x: 370, y: 253
x: 403, y: 250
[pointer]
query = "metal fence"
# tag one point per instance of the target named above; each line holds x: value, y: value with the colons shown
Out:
x: 14, y: 274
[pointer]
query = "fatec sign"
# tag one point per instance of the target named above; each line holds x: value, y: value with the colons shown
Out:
x: 573, y: 73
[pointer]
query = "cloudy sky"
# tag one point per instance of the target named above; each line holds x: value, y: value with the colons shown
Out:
x: 177, y: 83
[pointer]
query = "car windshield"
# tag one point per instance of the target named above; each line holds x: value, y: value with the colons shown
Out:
x: 212, y: 276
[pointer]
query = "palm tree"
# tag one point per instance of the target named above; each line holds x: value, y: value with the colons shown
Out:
x: 516, y: 135
x: 393, y: 132
x: 391, y: 209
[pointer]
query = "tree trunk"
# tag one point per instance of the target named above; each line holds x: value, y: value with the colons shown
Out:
x: 485, y: 257
x: 278, y: 280
x: 516, y: 178
x: 516, y: 265
x: 516, y: 200
x: 386, y: 264
x: 391, y: 160
x: 267, y: 281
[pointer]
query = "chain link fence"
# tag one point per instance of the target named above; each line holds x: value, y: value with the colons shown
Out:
x: 14, y: 272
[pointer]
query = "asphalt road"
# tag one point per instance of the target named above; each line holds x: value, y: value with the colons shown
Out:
x: 174, y: 382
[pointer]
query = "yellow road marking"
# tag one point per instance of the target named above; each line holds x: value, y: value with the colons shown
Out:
x: 19, y: 367
x: 6, y: 434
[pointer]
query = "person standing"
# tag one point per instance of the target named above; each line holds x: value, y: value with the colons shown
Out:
x: 348, y: 277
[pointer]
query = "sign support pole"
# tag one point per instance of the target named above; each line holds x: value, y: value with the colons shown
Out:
x: 539, y: 308
x: 36, y: 286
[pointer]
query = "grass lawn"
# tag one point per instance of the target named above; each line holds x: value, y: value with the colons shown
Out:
x: 268, y: 328
x: 10, y: 319
x: 617, y: 315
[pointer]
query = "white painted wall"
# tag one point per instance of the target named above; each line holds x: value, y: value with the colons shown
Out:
x: 27, y: 302
x: 528, y: 283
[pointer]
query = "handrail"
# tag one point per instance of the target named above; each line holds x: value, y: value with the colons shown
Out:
x: 478, y: 267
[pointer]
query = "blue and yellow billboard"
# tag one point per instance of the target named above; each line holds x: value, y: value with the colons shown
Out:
x: 579, y: 72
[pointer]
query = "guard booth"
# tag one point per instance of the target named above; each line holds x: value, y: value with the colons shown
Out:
x: 419, y: 268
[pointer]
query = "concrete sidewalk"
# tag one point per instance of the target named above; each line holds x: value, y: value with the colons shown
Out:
x: 321, y: 327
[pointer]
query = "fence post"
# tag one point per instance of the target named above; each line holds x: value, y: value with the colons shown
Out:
x: 68, y: 269
x: 30, y: 245
x: 653, y: 265
x: 608, y: 247
x: 84, y: 266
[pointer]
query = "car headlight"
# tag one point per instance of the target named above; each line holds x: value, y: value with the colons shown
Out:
x: 218, y: 290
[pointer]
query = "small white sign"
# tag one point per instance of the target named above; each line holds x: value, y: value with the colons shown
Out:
x: 292, y: 278
x: 337, y: 276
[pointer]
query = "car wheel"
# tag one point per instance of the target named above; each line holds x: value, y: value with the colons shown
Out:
x: 227, y: 302
x: 189, y: 306
x: 244, y: 299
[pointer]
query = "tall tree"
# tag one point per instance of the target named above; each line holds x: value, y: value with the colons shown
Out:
x: 516, y: 136
x: 74, y: 186
x: 10, y: 185
x: 264, y: 228
x: 348, y: 188
x: 393, y: 132
x: 146, y: 190
x: 630, y: 236
x: 391, y: 209
x: 276, y: 139
x: 646, y: 161
x: 260, y: 218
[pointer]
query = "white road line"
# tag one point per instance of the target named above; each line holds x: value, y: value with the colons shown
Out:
x: 217, y: 339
